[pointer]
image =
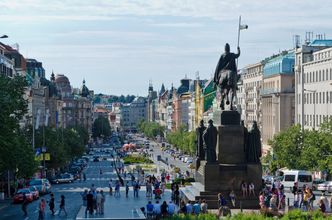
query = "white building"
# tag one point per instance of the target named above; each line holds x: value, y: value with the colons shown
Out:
x: 313, y: 68
x: 252, y: 83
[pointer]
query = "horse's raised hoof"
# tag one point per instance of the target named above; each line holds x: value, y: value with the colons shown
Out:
x: 227, y: 102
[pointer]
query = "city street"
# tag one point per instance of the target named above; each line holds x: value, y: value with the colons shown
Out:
x: 71, y: 191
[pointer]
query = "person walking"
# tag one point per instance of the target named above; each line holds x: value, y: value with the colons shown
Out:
x: 102, y: 202
x: 99, y: 198
x: 232, y: 197
x: 164, y: 208
x: 89, y: 204
x: 41, y: 209
x: 84, y: 177
x: 204, y: 207
x: 110, y: 185
x: 62, y: 205
x: 51, y: 204
x: 25, y: 205
x: 127, y: 189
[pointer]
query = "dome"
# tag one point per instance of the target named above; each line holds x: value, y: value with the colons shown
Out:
x: 84, y: 90
x: 60, y: 78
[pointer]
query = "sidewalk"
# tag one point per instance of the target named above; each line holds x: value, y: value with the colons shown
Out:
x: 122, y: 207
x: 5, y: 203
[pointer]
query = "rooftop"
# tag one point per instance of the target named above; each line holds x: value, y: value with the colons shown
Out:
x: 321, y: 43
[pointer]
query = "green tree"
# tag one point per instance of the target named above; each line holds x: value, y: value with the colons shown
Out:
x: 16, y: 153
x: 101, y: 127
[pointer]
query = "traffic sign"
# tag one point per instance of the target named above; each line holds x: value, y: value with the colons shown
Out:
x: 40, y: 157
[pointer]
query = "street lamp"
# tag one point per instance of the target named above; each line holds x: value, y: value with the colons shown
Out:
x: 4, y: 36
x: 314, y: 99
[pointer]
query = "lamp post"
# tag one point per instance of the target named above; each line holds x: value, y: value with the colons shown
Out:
x: 314, y: 100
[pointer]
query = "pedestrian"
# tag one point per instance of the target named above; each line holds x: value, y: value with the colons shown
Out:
x: 273, y: 202
x: 251, y: 189
x: 25, y: 205
x: 51, y: 204
x: 100, y: 172
x: 171, y: 208
x: 296, y: 200
x: 232, y: 197
x: 149, y: 210
x: 127, y: 189
x: 221, y: 200
x: 99, y: 198
x: 157, y: 210
x: 102, y: 202
x: 196, y: 208
x: 164, y: 209
x: 117, y: 189
x: 62, y: 205
x: 89, y: 204
x: 312, y: 199
x: 321, y: 206
x: 110, y: 185
x: 204, y: 207
x: 183, y: 207
x: 41, y: 209
x: 261, y: 200
x: 84, y: 177
x: 326, y: 202
x: 189, y: 207
x: 244, y: 189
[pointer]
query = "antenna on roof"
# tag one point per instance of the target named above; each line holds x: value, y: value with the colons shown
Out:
x: 197, y: 75
x: 296, y: 41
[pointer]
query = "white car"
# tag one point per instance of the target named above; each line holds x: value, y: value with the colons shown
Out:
x: 326, y: 186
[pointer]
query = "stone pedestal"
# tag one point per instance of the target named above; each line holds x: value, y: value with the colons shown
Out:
x: 231, y: 167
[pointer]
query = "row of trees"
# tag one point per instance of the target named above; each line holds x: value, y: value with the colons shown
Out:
x: 17, y: 154
x: 151, y: 129
x: 308, y: 150
x: 183, y: 140
x: 101, y: 128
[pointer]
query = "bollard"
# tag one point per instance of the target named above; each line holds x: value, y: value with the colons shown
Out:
x: 241, y: 206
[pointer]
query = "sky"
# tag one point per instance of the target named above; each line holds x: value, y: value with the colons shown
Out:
x: 118, y: 46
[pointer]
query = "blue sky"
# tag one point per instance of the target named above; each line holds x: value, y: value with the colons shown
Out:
x: 119, y: 45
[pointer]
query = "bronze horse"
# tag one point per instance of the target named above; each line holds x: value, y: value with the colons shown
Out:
x: 226, y: 77
x: 227, y: 82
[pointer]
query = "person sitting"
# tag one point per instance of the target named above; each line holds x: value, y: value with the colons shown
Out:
x: 149, y: 210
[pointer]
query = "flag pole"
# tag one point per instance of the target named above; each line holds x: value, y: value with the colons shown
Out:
x: 238, y: 39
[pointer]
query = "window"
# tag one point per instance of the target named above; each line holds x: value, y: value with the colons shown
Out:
x: 320, y: 98
x: 323, y: 76
x: 305, y: 178
x: 327, y: 74
x: 289, y: 178
x: 323, y: 97
x: 320, y: 76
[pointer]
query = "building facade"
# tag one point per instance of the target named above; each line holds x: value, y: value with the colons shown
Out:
x: 313, y: 83
x: 277, y: 95
x: 251, y: 86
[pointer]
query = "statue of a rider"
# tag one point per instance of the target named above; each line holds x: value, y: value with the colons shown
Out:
x: 226, y: 76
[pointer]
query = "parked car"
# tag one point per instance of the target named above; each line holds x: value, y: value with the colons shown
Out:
x: 63, y: 178
x: 301, y: 177
x: 325, y: 187
x: 19, y: 195
x: 316, y: 182
x: 34, y: 191
x: 43, y: 185
x: 96, y: 159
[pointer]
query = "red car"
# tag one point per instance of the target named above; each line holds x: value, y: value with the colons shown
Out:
x: 34, y: 191
x: 18, y: 197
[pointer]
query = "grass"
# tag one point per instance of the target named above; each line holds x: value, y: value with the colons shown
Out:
x: 134, y: 159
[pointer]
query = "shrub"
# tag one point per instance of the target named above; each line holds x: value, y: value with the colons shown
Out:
x: 130, y: 159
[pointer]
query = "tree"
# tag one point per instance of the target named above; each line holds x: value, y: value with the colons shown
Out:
x: 16, y: 153
x: 310, y: 150
x: 101, y: 127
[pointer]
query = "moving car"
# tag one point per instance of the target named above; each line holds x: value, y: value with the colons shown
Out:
x: 43, y: 185
x: 34, y: 191
x: 19, y: 195
x: 63, y: 178
x: 325, y: 187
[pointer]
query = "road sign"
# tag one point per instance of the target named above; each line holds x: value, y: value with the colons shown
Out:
x: 40, y: 157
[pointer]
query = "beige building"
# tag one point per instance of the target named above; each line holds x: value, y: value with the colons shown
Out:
x: 251, y: 86
x: 277, y: 95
